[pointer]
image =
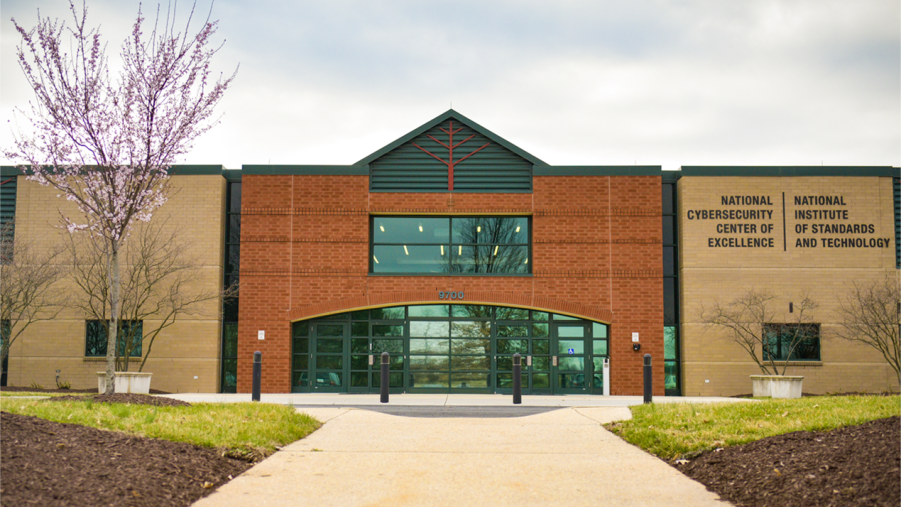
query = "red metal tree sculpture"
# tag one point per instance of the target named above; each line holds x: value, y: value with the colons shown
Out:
x: 450, y: 162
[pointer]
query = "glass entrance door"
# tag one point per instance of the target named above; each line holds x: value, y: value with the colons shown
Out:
x: 329, y: 370
x: 569, y: 362
x: 368, y: 341
x: 599, y: 359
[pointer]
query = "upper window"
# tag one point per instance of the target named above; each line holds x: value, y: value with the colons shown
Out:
x: 792, y: 342
x: 96, y: 337
x: 460, y: 245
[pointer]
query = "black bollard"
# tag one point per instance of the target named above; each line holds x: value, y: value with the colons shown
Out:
x: 517, y: 379
x: 257, y: 374
x: 384, y: 387
x: 648, y: 381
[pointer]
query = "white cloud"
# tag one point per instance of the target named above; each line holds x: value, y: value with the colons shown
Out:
x: 647, y: 82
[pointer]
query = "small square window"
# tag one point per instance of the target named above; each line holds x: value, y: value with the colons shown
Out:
x: 96, y: 337
x: 791, y: 342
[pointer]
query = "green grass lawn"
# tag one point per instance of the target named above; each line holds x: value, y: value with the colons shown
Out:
x: 675, y: 430
x: 251, y: 428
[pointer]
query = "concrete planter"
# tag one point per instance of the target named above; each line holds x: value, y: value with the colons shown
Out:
x: 126, y: 382
x: 776, y: 386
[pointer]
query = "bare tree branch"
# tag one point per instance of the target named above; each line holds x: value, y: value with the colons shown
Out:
x: 107, y: 146
x: 29, y: 291
x: 161, y: 283
x: 871, y: 314
x: 745, y: 319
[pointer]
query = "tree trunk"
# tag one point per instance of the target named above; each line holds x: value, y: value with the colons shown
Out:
x: 112, y: 335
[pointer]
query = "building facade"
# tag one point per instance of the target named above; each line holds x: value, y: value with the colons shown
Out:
x: 452, y: 249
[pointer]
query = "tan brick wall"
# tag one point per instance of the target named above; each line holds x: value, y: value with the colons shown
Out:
x: 188, y: 348
x: 712, y: 365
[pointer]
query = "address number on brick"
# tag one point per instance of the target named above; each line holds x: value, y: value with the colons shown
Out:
x: 450, y: 294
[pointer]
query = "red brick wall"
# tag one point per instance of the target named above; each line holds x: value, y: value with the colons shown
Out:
x: 596, y: 252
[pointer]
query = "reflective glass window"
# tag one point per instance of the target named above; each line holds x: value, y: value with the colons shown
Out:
x: 473, y: 311
x: 429, y: 346
x: 427, y: 329
x: 428, y: 311
x: 469, y: 380
x: 541, y: 346
x: 392, y: 313
x: 671, y: 375
x: 512, y: 314
x: 470, y: 329
x: 669, y: 342
x: 329, y: 346
x: 792, y: 342
x: 409, y: 259
x: 429, y: 379
x: 470, y: 363
x: 464, y: 245
x: 577, y: 346
x: 470, y: 346
x: 393, y: 347
x: 512, y: 331
x: 329, y: 330
x: 410, y: 230
x: 385, y: 330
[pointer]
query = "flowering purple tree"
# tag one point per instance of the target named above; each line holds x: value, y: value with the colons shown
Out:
x: 107, y: 146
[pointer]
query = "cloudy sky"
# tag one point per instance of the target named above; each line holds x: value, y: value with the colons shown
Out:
x: 666, y: 83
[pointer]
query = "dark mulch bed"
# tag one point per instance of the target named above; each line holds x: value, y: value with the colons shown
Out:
x: 855, y: 465
x: 134, y: 399
x: 52, y: 464
x: 886, y: 393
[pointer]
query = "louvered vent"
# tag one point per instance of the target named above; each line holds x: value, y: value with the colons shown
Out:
x: 7, y: 214
x: 424, y: 164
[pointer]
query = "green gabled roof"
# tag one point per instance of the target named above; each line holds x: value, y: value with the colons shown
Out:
x: 434, y: 122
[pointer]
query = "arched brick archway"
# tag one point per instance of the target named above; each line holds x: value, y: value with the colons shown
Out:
x: 470, y: 297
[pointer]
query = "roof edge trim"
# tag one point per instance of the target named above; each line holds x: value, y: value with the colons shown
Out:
x: 597, y: 170
x: 307, y: 170
x: 450, y: 113
x: 750, y: 171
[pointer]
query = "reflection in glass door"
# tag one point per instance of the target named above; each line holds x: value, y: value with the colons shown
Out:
x: 450, y: 348
x: 568, y: 368
x: 329, y: 350
x: 368, y: 340
x: 599, y: 359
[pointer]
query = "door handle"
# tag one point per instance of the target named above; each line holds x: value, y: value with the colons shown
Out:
x: 555, y: 360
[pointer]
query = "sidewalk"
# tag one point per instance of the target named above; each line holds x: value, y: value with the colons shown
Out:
x: 492, y: 400
x: 363, y: 457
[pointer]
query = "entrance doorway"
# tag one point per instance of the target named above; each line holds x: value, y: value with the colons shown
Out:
x: 569, y: 373
x: 449, y: 348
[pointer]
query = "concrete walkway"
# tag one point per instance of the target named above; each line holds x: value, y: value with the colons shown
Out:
x: 362, y: 457
x: 470, y: 400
